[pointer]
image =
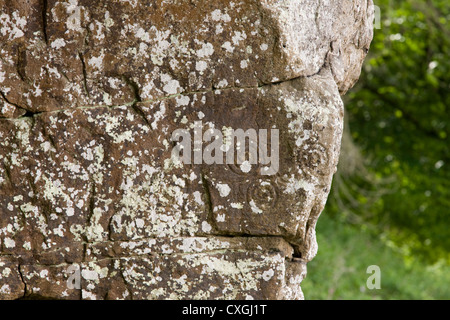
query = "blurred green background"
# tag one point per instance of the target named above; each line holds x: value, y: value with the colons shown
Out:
x: 390, y: 201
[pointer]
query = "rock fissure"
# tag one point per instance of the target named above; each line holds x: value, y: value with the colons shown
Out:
x: 23, y: 281
x: 83, y: 64
x: 137, y: 99
x: 44, y: 20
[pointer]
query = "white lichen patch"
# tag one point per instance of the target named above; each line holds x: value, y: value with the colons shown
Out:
x: 245, y: 166
x: 9, y: 243
x: 206, y: 227
x: 58, y: 43
x: 224, y: 189
x: 237, y: 205
x: 255, y: 208
x: 12, y: 26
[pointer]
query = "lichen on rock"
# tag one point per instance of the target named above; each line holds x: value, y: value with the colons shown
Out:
x: 90, y: 95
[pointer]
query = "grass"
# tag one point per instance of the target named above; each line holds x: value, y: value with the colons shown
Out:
x: 345, y: 251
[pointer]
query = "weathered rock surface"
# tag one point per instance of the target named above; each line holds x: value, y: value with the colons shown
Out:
x: 91, y: 92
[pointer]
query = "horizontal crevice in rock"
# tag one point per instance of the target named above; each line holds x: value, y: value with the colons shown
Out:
x: 268, y: 243
x: 137, y: 99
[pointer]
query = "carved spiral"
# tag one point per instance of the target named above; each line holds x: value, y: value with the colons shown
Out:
x: 264, y: 194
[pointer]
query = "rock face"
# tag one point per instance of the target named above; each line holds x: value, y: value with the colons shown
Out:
x: 95, y: 203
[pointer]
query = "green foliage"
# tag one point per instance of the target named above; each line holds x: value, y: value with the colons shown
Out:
x: 390, y: 200
x: 345, y: 252
x: 399, y: 115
